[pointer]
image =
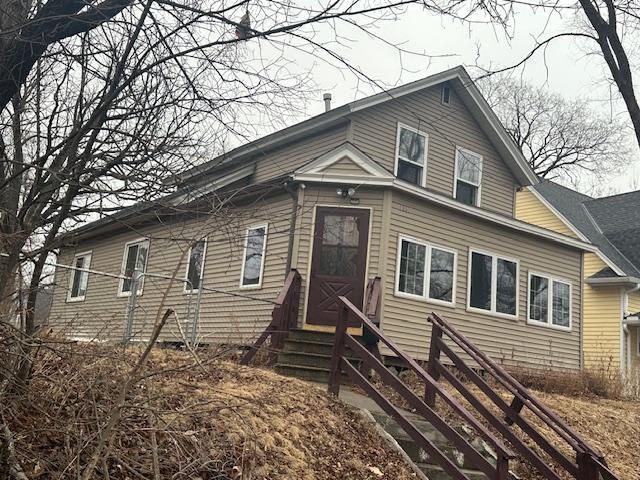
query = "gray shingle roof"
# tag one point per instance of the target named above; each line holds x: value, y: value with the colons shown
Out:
x: 610, y: 223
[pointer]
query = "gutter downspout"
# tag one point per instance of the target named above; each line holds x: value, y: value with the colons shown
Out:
x: 624, y: 331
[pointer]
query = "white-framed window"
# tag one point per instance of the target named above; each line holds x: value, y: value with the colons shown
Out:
x: 195, y: 266
x: 134, y: 258
x: 425, y: 272
x: 492, y: 284
x: 445, y: 95
x: 549, y: 301
x: 255, y: 244
x: 79, y: 277
x: 468, y: 176
x: 411, y: 155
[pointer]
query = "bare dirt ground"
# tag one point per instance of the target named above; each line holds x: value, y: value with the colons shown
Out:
x: 187, y: 418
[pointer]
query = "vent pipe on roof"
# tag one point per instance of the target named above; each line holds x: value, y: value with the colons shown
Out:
x: 327, y: 101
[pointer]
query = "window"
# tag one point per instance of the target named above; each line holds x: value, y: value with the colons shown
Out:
x: 493, y: 284
x: 253, y: 259
x: 135, y: 259
x: 446, y: 94
x: 549, y: 301
x: 415, y: 258
x: 468, y: 167
x: 411, y: 155
x: 79, y: 278
x: 195, y: 267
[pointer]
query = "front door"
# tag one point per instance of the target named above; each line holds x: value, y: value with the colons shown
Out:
x: 338, y: 262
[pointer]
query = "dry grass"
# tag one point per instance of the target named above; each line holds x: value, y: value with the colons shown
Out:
x: 611, y: 426
x: 211, y: 419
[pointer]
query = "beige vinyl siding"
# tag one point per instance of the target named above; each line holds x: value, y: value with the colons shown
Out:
x: 531, y: 210
x: 344, y: 166
x: 602, y: 319
x: 506, y: 340
x: 326, y: 196
x: 223, y: 317
x: 291, y: 157
x: 448, y: 127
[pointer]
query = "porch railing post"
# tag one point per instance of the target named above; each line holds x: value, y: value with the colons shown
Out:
x: 338, y: 350
x: 502, y: 467
x: 587, y: 468
x: 432, y: 367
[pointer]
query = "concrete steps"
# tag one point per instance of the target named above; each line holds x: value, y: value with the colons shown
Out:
x: 421, y: 458
x: 307, y: 355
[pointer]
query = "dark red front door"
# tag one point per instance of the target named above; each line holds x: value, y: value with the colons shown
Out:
x: 338, y: 262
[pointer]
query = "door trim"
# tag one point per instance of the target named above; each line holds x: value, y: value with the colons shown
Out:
x: 328, y: 328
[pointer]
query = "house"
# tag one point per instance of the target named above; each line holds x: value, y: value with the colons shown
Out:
x: 415, y: 185
x: 611, y: 298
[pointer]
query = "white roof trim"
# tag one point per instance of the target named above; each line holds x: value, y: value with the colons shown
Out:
x: 218, y: 183
x: 613, y: 280
x: 357, y: 156
x: 493, y: 217
x: 575, y: 230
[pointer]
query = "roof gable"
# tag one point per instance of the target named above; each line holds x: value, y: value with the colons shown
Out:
x: 457, y: 77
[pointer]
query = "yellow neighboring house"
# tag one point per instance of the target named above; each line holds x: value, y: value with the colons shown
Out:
x: 611, y: 297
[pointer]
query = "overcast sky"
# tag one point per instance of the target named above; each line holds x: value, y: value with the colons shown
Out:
x: 564, y: 67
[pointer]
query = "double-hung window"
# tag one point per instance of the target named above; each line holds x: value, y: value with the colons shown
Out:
x: 425, y: 271
x: 411, y: 155
x: 549, y: 301
x: 135, y: 260
x: 253, y: 257
x: 493, y: 284
x: 79, y: 277
x: 468, y: 167
x: 195, y: 267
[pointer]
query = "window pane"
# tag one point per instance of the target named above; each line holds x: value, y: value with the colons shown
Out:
x: 441, y: 275
x: 253, y: 256
x: 561, y: 303
x: 132, y: 254
x: 539, y: 299
x: 411, y: 146
x: 481, y: 281
x: 196, y: 258
x: 469, y: 167
x: 466, y: 193
x: 506, y: 286
x: 412, y: 263
x: 409, y: 172
x: 79, y: 279
x: 340, y: 240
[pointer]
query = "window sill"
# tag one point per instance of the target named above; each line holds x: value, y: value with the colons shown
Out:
x: 418, y: 298
x: 127, y: 294
x: 251, y: 287
x: 75, y: 299
x: 490, y: 313
x: 550, y: 326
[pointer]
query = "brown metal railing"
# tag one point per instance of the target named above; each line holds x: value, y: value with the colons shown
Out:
x: 283, y: 318
x: 588, y: 465
x: 340, y: 363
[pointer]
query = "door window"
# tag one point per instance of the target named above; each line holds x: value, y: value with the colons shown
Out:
x: 340, y: 240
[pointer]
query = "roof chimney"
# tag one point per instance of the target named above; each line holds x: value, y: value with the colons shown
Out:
x: 327, y: 101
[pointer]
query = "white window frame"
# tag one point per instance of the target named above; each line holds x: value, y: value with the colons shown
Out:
x: 442, y: 100
x: 400, y: 126
x: 549, y: 323
x: 244, y: 256
x: 124, y: 265
x: 494, y: 284
x: 186, y: 271
x: 455, y: 174
x: 427, y: 272
x: 75, y: 272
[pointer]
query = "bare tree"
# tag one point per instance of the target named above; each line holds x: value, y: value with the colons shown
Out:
x: 560, y: 138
